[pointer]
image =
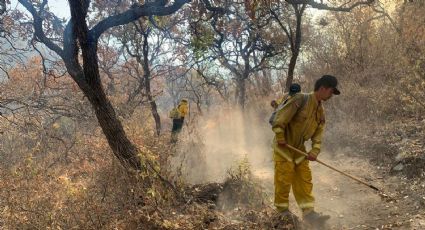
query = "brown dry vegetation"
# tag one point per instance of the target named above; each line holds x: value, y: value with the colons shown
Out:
x: 57, y: 170
x: 382, y: 74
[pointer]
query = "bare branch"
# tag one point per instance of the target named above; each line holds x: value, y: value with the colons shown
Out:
x: 2, y: 6
x: 218, y: 10
x: 43, y: 60
x: 38, y: 27
x: 323, y: 6
x: 134, y: 13
x: 384, y: 13
x: 283, y: 27
x: 5, y: 71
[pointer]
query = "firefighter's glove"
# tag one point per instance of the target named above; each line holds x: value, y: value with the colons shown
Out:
x: 311, y: 156
x: 281, y: 143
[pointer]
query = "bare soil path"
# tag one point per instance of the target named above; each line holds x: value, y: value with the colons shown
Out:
x: 355, y: 206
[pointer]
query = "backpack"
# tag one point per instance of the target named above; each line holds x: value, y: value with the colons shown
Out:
x: 174, y: 113
x: 283, y: 103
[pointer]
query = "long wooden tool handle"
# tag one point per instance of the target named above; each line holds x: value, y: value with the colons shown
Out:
x: 333, y: 168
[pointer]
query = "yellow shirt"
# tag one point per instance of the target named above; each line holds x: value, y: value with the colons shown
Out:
x: 183, y: 109
x: 295, y: 127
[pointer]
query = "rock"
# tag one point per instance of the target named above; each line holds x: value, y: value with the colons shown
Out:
x: 398, y: 167
x: 401, y: 155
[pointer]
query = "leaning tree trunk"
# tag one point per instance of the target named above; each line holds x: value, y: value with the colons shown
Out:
x: 88, y: 77
x: 121, y: 146
x: 111, y: 126
x: 90, y: 83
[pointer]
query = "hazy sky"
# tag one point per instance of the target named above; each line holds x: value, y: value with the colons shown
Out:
x: 59, y: 7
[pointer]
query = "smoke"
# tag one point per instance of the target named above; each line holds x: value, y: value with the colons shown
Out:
x: 225, y: 136
x: 221, y: 139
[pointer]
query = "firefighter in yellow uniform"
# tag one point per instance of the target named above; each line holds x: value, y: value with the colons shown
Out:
x: 302, y: 118
x: 183, y: 110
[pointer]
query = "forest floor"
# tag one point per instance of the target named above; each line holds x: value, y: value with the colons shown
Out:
x: 355, y: 206
x: 390, y: 159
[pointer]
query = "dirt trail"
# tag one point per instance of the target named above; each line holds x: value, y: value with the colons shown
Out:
x: 352, y: 205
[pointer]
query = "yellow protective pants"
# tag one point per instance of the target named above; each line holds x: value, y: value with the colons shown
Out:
x: 287, y: 174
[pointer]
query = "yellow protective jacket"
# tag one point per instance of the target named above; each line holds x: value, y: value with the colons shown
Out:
x: 296, y: 125
x: 183, y: 108
x: 283, y: 98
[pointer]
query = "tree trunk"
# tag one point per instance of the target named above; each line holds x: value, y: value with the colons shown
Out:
x: 147, y: 76
x: 121, y: 146
x: 266, y: 87
x: 295, y: 45
x: 240, y: 84
x: 291, y: 69
x: 89, y: 81
x: 197, y: 101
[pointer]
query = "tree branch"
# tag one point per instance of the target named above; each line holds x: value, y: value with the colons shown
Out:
x: 385, y: 14
x: 216, y: 10
x: 283, y: 27
x: 2, y: 7
x: 5, y: 71
x: 38, y: 28
x: 134, y: 13
x: 323, y: 6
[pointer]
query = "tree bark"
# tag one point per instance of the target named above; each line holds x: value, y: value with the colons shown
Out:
x: 241, y: 89
x: 267, y: 86
x: 91, y: 85
x: 147, y: 79
x: 295, y: 46
x: 111, y: 126
x: 291, y: 69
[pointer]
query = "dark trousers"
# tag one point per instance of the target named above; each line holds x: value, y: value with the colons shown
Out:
x: 177, y: 125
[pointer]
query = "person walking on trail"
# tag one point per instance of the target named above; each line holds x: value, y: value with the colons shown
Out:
x: 178, y: 114
x: 300, y: 119
x: 293, y: 89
